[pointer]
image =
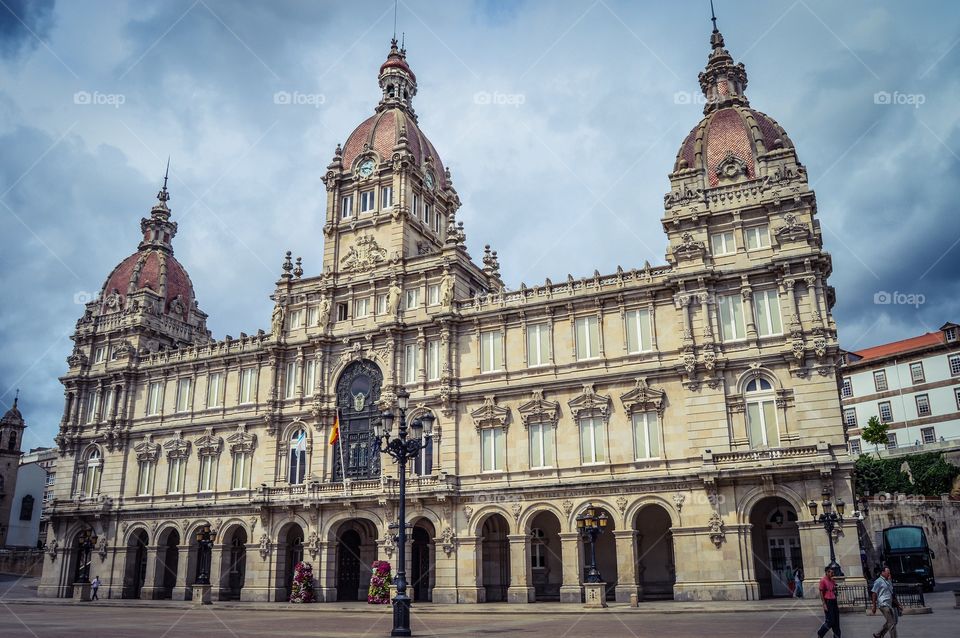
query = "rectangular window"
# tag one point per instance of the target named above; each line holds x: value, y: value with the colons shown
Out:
x: 433, y: 295
x: 638, y: 331
x: 437, y: 222
x: 923, y: 405
x: 416, y: 205
x: 846, y: 390
x: 290, y: 380
x: 313, y: 315
x: 493, y: 449
x: 367, y: 201
x: 891, y: 439
x: 309, y: 377
x: 108, y: 405
x: 593, y: 441
x: 154, y: 398
x: 916, y: 372
x: 538, y: 344
x: 183, y: 394
x: 412, y: 299
x: 855, y: 447
x: 246, y: 385
x: 587, y: 337
x: 956, y: 395
x: 177, y: 475
x: 93, y: 405
x: 722, y: 244
x: 433, y: 360
x: 886, y: 412
x: 214, y: 383
x: 114, y: 353
x: 145, y: 481
x: 954, y: 365
x: 762, y: 424
x: 951, y: 334
x: 880, y: 380
x: 731, y: 317
x: 241, y: 471
x: 538, y: 555
x: 491, y: 351
x: 541, y: 445
x: 346, y: 206
x: 427, y: 214
x: 410, y: 363
x: 386, y: 197
x: 850, y: 417
x: 929, y: 435
x: 766, y: 310
x: 99, y: 354
x: 646, y: 435
x: 757, y: 237
x: 207, y: 473
x: 381, y: 304
x: 343, y: 311
x: 361, y: 308
x: 295, y: 319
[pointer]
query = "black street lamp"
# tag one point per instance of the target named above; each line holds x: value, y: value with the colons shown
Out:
x: 205, y: 537
x: 86, y: 542
x: 829, y: 519
x: 591, y: 525
x: 402, y: 448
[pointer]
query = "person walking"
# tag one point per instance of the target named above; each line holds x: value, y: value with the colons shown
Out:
x: 94, y: 586
x: 886, y: 599
x: 798, y: 583
x: 831, y: 611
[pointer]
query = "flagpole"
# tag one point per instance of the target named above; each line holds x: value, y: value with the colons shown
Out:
x: 343, y: 466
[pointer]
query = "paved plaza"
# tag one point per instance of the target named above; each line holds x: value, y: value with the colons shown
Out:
x: 24, y: 616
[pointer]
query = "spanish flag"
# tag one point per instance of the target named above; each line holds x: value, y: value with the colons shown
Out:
x: 335, y: 432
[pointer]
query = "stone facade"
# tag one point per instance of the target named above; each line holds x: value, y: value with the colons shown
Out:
x: 12, y: 426
x: 695, y: 402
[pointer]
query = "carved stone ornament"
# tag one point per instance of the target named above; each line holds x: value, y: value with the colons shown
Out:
x: 446, y: 541
x: 389, y: 544
x: 589, y: 403
x: 516, y: 508
x: 147, y: 450
x: 102, y: 547
x: 688, y: 248
x: 365, y: 255
x: 539, y: 410
x: 567, y: 507
x: 798, y: 348
x: 678, y: 500
x: 731, y: 168
x: 313, y: 544
x: 52, y: 549
x: 242, y: 442
x: 178, y: 447
x: 468, y: 512
x: 717, y: 535
x: 208, y: 444
x: 643, y: 397
x: 490, y: 415
x: 820, y: 347
x: 792, y: 231
x: 681, y: 196
x: 622, y: 504
x: 265, y: 546
x: 77, y: 359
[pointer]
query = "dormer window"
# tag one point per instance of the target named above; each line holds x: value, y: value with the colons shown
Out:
x: 951, y: 334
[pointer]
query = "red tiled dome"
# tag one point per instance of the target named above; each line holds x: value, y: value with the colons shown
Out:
x: 151, y: 268
x: 399, y: 63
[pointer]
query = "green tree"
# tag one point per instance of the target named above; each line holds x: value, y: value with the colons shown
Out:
x: 876, y: 433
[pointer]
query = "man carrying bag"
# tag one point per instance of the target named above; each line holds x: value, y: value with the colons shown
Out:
x: 885, y: 598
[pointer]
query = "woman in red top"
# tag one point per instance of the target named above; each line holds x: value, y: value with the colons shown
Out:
x: 831, y: 612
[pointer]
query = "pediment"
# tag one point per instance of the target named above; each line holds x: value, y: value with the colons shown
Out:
x: 589, y: 403
x: 643, y: 397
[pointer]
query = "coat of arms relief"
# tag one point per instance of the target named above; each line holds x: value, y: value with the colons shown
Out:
x: 366, y: 254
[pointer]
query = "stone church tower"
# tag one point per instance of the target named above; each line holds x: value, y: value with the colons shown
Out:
x: 11, y: 441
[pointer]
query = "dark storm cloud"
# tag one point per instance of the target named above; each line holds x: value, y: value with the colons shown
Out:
x: 23, y: 24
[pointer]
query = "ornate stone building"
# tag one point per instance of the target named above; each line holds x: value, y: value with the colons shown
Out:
x: 12, y: 426
x: 696, y: 402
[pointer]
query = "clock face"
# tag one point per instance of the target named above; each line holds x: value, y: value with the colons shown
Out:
x: 366, y: 168
x: 428, y: 179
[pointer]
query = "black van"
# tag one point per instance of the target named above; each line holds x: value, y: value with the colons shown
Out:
x: 906, y: 552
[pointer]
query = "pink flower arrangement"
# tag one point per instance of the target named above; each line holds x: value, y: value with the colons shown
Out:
x: 379, y: 593
x: 301, y: 591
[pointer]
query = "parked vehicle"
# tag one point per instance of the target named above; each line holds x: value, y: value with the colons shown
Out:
x: 906, y: 552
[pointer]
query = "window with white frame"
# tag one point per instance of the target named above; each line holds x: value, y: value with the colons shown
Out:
x: 427, y: 214
x: 646, y: 435
x: 416, y: 205
x: 343, y: 311
x: 762, y: 430
x: 361, y: 307
x: 184, y: 386
x: 891, y: 439
x: 145, y: 479
x: 587, y: 337
x: 956, y: 395
x: 437, y: 222
x: 214, y: 386
x: 93, y: 405
x: 154, y: 398
x: 757, y: 237
x: 638, y: 331
x: 880, y: 380
x: 247, y: 383
x: 410, y: 363
x: 722, y: 243
x: 298, y: 457
x: 951, y: 334
x: 493, y: 449
x: 108, y: 401
x: 422, y: 464
x: 313, y: 315
x: 386, y: 197
x: 542, y: 445
x: 916, y: 372
x: 846, y: 389
x: 593, y: 440
x: 850, y: 417
x: 886, y: 411
x: 731, y: 317
x: 242, y: 462
x: 766, y: 311
x: 207, y: 472
x: 928, y: 435
x: 538, y: 549
x: 538, y: 344
x: 367, y: 201
x: 176, y: 474
x: 290, y: 380
x: 491, y: 351
x: 923, y: 405
x: 309, y: 377
x: 412, y: 301
x: 346, y: 206
x: 433, y: 295
x: 93, y: 469
x: 433, y: 360
x: 381, y: 304
x: 295, y: 318
x: 855, y: 449
x: 100, y: 354
x: 954, y: 361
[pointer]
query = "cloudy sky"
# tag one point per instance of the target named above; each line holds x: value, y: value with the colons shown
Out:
x: 560, y: 122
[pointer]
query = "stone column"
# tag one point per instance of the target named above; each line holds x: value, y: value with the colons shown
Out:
x: 216, y: 573
x: 150, y: 589
x: 571, y: 591
x: 469, y: 555
x: 746, y: 293
x: 626, y: 542
x: 182, y: 589
x: 521, y: 576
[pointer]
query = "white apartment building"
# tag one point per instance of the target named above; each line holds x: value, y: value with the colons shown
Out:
x: 913, y: 385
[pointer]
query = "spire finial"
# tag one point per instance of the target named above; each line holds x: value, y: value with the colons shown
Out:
x: 713, y: 16
x: 164, y: 195
x: 16, y: 397
x: 395, y: 3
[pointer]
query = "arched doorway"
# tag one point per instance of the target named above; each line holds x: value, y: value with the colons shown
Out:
x: 135, y: 570
x: 348, y: 565
x: 495, y: 558
x: 168, y: 557
x: 290, y: 553
x: 546, y: 557
x: 775, y: 539
x: 422, y: 561
x: 656, y: 566
x: 233, y: 564
x: 358, y: 393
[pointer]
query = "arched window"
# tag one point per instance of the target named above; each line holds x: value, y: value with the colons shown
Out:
x: 26, y: 508
x: 91, y: 473
x: 762, y: 428
x: 12, y: 445
x: 298, y: 456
